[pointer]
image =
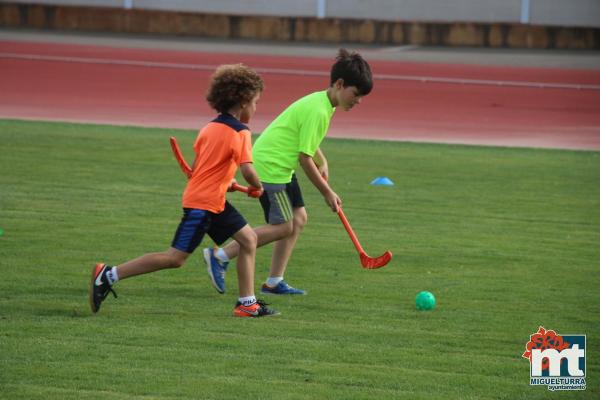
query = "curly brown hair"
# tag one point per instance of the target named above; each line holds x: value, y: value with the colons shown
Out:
x: 233, y: 84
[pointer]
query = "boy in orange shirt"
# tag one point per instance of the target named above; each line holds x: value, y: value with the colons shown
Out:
x: 221, y: 147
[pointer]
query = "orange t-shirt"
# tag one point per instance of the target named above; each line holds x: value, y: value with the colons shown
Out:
x: 221, y: 146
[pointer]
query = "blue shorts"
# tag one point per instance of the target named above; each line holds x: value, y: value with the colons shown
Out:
x: 279, y: 201
x: 196, y: 223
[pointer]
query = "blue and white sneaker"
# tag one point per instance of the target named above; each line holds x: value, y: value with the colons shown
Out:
x: 216, y: 270
x: 281, y: 288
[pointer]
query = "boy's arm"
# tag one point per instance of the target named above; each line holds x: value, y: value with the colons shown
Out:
x: 321, y: 161
x: 313, y: 174
x: 250, y: 175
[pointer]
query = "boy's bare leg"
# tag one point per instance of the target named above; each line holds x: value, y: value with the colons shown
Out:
x: 104, y: 276
x: 265, y: 234
x: 246, y: 260
x: 282, y: 249
x: 248, y: 305
x: 172, y: 258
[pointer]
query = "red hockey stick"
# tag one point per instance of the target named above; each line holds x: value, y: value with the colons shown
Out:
x: 366, y: 261
x: 185, y: 167
x: 235, y: 187
x: 187, y: 170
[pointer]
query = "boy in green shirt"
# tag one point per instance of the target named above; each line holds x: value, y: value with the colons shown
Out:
x: 294, y: 138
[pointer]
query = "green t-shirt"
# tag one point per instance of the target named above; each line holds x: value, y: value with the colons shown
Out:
x: 300, y: 128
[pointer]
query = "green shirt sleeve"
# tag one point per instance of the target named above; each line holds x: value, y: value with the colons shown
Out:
x: 312, y: 131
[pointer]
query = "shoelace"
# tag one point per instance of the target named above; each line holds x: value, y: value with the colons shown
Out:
x: 223, y: 267
x: 262, y: 304
x: 110, y: 290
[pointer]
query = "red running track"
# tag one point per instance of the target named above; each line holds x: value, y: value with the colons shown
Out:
x: 166, y: 89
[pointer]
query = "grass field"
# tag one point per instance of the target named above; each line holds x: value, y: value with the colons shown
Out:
x: 507, y: 240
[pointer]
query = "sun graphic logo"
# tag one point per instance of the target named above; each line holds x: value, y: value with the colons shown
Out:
x: 557, y: 361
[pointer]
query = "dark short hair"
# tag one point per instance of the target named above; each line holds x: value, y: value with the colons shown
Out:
x: 232, y: 84
x: 354, y: 70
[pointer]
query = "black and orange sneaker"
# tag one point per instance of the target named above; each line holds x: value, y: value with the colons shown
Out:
x: 99, y: 286
x: 258, y: 309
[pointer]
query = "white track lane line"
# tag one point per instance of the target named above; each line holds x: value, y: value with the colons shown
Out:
x: 298, y: 72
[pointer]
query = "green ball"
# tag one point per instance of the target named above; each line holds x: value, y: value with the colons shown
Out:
x: 425, y: 301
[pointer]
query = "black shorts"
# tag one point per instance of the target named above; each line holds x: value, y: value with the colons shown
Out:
x: 279, y: 200
x: 196, y: 223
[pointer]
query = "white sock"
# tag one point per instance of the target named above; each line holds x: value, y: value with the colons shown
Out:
x: 221, y: 255
x: 112, y: 276
x: 247, y: 301
x: 274, y: 280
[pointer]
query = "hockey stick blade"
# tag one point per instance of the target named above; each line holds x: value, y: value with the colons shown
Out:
x: 375, y: 262
x: 366, y: 261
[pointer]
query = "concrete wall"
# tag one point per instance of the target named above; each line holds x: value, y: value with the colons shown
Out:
x: 584, y: 13
x: 91, y: 3
x: 303, y: 29
x: 285, y: 8
x: 566, y: 12
x: 428, y: 10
